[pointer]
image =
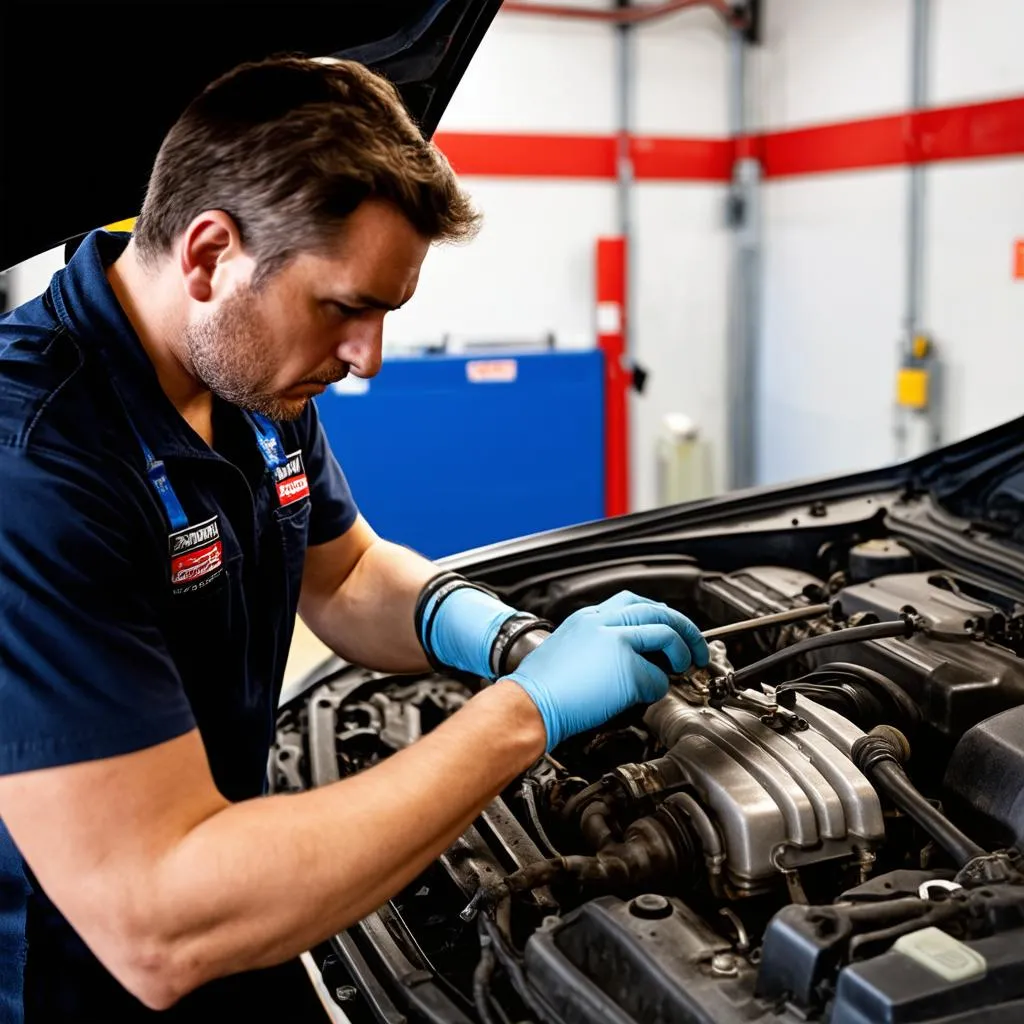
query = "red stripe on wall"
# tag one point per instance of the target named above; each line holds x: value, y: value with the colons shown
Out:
x: 682, y: 159
x: 833, y: 147
x: 964, y: 133
x: 530, y: 156
x: 950, y: 133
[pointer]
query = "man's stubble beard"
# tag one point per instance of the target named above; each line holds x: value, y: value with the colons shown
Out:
x: 224, y: 351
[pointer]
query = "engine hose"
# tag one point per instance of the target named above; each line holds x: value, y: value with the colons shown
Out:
x: 811, y: 611
x: 652, y: 849
x: 880, y: 756
x: 851, y: 698
x: 573, y: 804
x: 595, y: 825
x: 482, y: 981
x: 530, y: 800
x: 904, y: 627
x: 514, y: 969
x: 870, y: 944
x: 874, y: 681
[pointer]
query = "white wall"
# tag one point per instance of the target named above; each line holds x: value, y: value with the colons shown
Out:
x: 975, y: 211
x: 972, y: 303
x: 31, y: 278
x: 681, y: 252
x: 976, y: 50
x: 835, y: 244
x: 833, y: 272
x: 830, y: 60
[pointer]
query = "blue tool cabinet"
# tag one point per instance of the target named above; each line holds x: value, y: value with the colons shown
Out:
x: 446, y: 453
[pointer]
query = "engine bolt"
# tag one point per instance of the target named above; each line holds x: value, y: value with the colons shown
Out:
x: 724, y: 965
x: 650, y: 904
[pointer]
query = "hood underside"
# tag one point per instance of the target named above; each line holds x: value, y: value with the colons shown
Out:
x: 81, y: 123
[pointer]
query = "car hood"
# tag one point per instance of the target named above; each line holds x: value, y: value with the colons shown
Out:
x: 81, y: 122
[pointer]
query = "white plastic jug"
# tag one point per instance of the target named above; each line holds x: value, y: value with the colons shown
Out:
x: 683, y: 472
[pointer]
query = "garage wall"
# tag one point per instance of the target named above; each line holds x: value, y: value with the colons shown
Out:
x: 974, y: 212
x: 835, y: 243
x: 681, y: 257
x: 532, y: 268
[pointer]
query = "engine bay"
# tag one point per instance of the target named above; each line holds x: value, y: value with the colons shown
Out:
x: 823, y: 824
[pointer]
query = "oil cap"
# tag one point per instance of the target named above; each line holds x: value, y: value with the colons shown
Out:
x: 941, y: 954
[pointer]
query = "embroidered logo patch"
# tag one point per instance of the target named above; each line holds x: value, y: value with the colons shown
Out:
x: 291, y: 480
x: 197, y: 556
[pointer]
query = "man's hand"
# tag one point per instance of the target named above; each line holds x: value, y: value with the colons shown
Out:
x: 593, y: 665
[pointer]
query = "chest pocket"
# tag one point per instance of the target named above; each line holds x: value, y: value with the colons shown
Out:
x: 206, y: 628
x: 292, y: 525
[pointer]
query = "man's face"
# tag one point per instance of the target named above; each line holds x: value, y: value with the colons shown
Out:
x: 313, y: 322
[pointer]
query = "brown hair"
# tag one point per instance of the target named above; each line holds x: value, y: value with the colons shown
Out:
x: 289, y: 147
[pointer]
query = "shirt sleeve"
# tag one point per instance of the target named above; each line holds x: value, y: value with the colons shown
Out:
x: 85, y: 672
x: 333, y: 508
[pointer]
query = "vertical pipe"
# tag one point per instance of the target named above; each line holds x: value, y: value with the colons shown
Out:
x: 915, y: 188
x: 744, y: 287
x: 914, y: 281
x: 622, y: 374
x: 624, y: 119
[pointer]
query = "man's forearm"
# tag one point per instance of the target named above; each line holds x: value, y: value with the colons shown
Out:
x: 265, y: 879
x: 369, y: 619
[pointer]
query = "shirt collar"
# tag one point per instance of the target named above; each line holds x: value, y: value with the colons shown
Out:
x: 89, y: 310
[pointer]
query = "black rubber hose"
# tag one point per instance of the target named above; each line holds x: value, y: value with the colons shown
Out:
x: 879, y: 756
x: 482, y: 981
x: 573, y: 804
x: 874, y: 681
x: 514, y: 969
x: 851, y: 634
x: 529, y: 798
x: 892, y: 780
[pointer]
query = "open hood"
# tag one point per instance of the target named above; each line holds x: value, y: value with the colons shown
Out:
x: 89, y: 91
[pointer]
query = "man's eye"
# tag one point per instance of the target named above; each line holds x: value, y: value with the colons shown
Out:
x: 346, y: 310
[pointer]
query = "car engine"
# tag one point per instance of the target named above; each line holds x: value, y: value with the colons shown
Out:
x: 823, y: 824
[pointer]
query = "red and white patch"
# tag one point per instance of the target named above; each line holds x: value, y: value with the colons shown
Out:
x: 197, y: 556
x: 291, y: 480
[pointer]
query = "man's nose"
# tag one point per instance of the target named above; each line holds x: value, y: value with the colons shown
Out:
x: 361, y: 347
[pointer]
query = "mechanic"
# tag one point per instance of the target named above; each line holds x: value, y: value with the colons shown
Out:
x: 169, y: 502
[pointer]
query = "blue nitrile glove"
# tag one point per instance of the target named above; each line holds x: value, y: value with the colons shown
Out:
x: 592, y: 666
x: 464, y: 629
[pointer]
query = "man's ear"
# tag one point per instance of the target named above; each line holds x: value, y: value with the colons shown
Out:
x: 208, y: 244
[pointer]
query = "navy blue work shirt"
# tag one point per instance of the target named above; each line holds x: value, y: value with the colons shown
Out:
x: 118, y: 631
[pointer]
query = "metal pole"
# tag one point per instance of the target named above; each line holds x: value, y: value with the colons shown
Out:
x: 745, y: 291
x: 624, y: 117
x: 914, y: 283
x: 915, y: 187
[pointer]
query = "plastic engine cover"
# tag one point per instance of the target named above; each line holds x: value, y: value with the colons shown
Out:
x: 979, y: 980
x: 986, y: 774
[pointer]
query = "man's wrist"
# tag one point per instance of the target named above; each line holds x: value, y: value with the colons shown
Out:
x: 518, y: 718
x: 466, y: 626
